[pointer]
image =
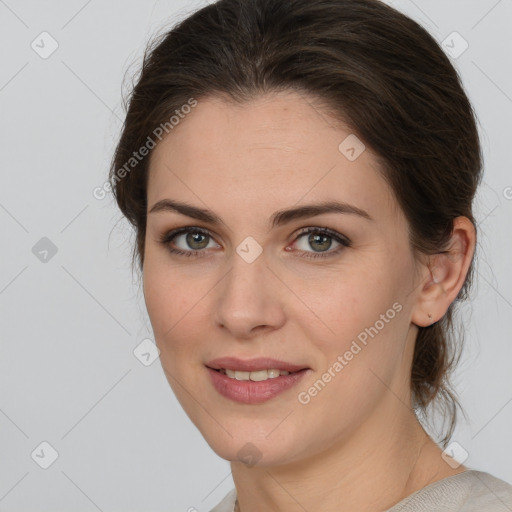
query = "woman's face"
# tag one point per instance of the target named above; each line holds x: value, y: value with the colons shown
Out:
x: 337, y: 306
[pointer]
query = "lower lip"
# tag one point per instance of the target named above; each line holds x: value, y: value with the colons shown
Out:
x: 251, y: 392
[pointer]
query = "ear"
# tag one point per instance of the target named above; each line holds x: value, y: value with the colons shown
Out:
x: 444, y: 274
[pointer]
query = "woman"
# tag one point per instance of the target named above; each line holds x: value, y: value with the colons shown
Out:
x: 300, y: 176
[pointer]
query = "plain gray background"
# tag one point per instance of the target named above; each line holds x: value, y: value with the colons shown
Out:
x: 70, y: 321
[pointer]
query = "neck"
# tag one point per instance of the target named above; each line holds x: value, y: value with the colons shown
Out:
x: 380, y: 464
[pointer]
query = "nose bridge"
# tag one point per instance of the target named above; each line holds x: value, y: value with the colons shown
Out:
x: 246, y: 281
x: 247, y: 297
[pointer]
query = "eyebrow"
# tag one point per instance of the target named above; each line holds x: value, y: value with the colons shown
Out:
x: 278, y: 218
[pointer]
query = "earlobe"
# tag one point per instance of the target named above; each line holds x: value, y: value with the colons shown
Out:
x: 445, y: 274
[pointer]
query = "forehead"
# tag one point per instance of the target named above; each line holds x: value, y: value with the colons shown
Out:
x: 277, y: 150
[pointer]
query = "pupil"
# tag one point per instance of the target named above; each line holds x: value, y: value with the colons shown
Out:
x: 313, y: 239
x: 193, y: 238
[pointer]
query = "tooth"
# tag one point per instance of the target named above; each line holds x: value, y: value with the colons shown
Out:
x: 256, y: 376
x: 259, y: 375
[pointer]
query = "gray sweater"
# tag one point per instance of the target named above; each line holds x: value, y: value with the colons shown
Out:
x: 470, y: 491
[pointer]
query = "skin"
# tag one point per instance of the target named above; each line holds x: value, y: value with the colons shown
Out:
x: 357, y: 444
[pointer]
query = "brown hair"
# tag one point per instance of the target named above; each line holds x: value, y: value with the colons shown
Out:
x: 377, y: 71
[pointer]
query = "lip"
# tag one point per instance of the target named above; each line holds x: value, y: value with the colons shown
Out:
x: 252, y: 365
x: 251, y: 392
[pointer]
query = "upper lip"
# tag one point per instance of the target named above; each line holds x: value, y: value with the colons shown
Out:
x: 250, y: 365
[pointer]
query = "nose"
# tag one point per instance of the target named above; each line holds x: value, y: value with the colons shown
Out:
x: 249, y: 299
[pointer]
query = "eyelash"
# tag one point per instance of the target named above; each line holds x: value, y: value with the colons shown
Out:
x: 169, y: 236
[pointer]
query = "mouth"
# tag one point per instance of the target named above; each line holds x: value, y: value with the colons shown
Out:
x: 253, y: 381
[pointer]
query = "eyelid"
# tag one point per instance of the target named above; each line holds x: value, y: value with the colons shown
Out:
x: 326, y: 231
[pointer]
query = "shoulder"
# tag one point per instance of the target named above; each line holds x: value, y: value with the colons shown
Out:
x: 227, y: 504
x: 470, y: 491
x: 488, y: 493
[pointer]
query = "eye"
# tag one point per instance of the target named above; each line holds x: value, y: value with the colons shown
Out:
x: 320, y: 239
x: 196, y: 239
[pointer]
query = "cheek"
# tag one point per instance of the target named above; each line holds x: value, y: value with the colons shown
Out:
x: 361, y: 306
x: 157, y: 295
x: 179, y: 307
x: 170, y: 300
x: 357, y: 363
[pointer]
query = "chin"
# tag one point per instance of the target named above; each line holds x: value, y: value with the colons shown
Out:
x: 253, y: 448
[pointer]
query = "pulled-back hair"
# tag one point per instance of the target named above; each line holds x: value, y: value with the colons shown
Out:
x: 374, y: 69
